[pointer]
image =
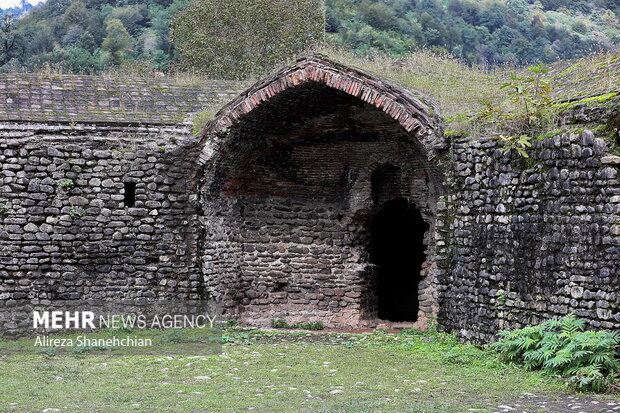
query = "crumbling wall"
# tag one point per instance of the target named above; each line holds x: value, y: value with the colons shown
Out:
x: 290, y: 239
x: 65, y: 231
x: 524, y: 240
x: 287, y: 202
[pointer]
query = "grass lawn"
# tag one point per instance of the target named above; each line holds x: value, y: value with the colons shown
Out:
x: 275, y: 372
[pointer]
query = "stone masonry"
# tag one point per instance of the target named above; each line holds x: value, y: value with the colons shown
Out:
x: 274, y: 211
x: 525, y: 241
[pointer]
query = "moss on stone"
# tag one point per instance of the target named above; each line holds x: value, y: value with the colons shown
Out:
x: 593, y: 100
x: 201, y: 119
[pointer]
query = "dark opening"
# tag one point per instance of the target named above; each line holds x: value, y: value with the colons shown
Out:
x: 130, y: 194
x: 397, y: 248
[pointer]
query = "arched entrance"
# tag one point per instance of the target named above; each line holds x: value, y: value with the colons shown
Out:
x: 397, y: 248
x: 288, y: 188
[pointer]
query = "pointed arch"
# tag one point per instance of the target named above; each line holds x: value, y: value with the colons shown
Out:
x: 419, y: 118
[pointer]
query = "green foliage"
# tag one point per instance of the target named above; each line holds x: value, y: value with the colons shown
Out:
x: 237, y: 338
x: 174, y: 336
x: 80, y: 350
x: 313, y: 325
x: 517, y: 32
x: 234, y: 40
x: 66, y: 184
x: 3, y: 209
x: 47, y: 351
x: 87, y: 36
x: 76, y: 212
x: 532, y: 96
x: 500, y: 298
x: 521, y: 144
x: 588, y: 359
x: 9, y: 40
x: 69, y: 35
x: 531, y: 110
x: 279, y: 323
x: 117, y: 42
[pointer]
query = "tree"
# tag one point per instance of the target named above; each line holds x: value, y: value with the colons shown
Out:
x: 74, y: 34
x: 8, y: 38
x: 117, y: 42
x: 236, y: 38
x: 76, y: 14
x: 56, y: 7
x: 134, y: 17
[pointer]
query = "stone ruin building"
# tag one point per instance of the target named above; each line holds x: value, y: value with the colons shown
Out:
x: 321, y: 193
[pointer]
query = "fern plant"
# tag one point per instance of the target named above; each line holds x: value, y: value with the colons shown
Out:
x: 589, y: 359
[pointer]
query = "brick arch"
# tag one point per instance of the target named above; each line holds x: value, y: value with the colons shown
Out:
x: 419, y: 118
x: 285, y: 194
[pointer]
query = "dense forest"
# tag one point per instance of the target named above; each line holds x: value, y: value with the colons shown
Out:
x: 491, y: 32
x: 91, y: 36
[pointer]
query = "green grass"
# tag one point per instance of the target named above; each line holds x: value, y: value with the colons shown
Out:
x: 460, y: 90
x: 275, y: 372
x: 202, y: 118
x: 451, y: 84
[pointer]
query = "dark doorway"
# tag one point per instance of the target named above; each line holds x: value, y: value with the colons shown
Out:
x: 129, y: 197
x: 397, y: 248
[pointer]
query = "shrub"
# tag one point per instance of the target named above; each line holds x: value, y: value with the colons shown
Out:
x: 531, y: 111
x: 279, y: 323
x: 520, y: 144
x: 532, y: 95
x: 313, y: 325
x: 80, y: 350
x: 588, y: 359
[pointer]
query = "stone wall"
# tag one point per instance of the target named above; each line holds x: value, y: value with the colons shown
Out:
x: 271, y: 210
x: 298, y: 249
x: 65, y: 231
x: 521, y: 241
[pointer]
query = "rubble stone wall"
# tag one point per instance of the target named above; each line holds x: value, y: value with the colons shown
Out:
x: 524, y: 240
x: 290, y: 240
x: 105, y: 193
x: 65, y: 231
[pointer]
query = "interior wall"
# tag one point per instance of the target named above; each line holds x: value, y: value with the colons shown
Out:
x: 286, y: 207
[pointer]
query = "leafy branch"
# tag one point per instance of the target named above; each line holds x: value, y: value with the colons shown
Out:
x: 532, y: 94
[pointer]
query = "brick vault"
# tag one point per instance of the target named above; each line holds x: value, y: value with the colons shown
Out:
x: 318, y: 193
